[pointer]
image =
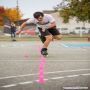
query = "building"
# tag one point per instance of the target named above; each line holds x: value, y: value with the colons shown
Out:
x: 71, y: 27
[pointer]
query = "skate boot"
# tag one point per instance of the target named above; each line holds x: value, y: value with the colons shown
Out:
x: 44, y: 52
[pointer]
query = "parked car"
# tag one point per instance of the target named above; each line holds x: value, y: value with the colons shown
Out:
x: 79, y: 30
x: 64, y: 31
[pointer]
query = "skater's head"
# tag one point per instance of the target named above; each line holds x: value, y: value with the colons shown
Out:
x: 38, y: 15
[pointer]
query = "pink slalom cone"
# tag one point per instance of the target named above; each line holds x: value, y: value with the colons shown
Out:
x: 41, y: 71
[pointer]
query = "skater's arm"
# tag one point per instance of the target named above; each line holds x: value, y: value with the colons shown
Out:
x: 24, y: 24
x: 21, y: 28
x: 51, y: 25
x: 48, y: 26
x: 52, y: 22
x: 27, y: 22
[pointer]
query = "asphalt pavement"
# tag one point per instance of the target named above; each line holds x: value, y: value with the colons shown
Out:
x: 67, y: 66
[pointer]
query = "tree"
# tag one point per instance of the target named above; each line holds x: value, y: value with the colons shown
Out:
x: 2, y: 12
x: 65, y: 14
x: 75, y: 8
x: 11, y: 13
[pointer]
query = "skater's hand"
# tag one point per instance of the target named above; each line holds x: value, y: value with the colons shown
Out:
x: 18, y: 32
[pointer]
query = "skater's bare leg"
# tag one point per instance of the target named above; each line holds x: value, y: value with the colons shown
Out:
x: 48, y: 40
x: 58, y: 37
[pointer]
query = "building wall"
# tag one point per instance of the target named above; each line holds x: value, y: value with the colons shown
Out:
x: 71, y: 25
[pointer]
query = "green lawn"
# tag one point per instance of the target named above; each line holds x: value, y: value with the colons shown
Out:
x: 8, y: 38
x: 65, y: 38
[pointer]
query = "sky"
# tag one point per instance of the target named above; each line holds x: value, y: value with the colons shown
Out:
x: 28, y: 7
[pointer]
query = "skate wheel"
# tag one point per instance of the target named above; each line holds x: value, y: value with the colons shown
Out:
x: 45, y: 55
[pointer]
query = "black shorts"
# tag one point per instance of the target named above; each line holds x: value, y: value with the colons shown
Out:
x: 52, y: 31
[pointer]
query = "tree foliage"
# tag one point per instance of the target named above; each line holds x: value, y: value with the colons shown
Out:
x: 76, y: 8
x: 2, y: 12
x: 11, y: 13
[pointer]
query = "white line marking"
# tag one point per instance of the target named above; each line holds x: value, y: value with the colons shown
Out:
x: 73, y: 75
x: 18, y: 76
x: 28, y: 82
x: 86, y: 74
x: 44, y: 73
x: 64, y: 45
x: 67, y: 71
x: 11, y: 85
x: 44, y: 79
x: 57, y: 77
x: 2, y: 45
x: 33, y: 60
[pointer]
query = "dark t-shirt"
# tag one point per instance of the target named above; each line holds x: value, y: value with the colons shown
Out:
x: 13, y: 29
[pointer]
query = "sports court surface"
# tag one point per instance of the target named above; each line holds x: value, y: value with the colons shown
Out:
x: 66, y: 68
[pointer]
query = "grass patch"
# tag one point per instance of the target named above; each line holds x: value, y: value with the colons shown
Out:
x: 36, y: 38
x: 8, y: 38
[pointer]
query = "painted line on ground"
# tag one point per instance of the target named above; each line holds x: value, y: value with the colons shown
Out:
x: 33, y: 60
x: 70, y: 46
x: 11, y: 85
x: 71, y: 76
x: 54, y: 78
x: 27, y: 82
x: 64, y: 45
x: 44, y: 73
